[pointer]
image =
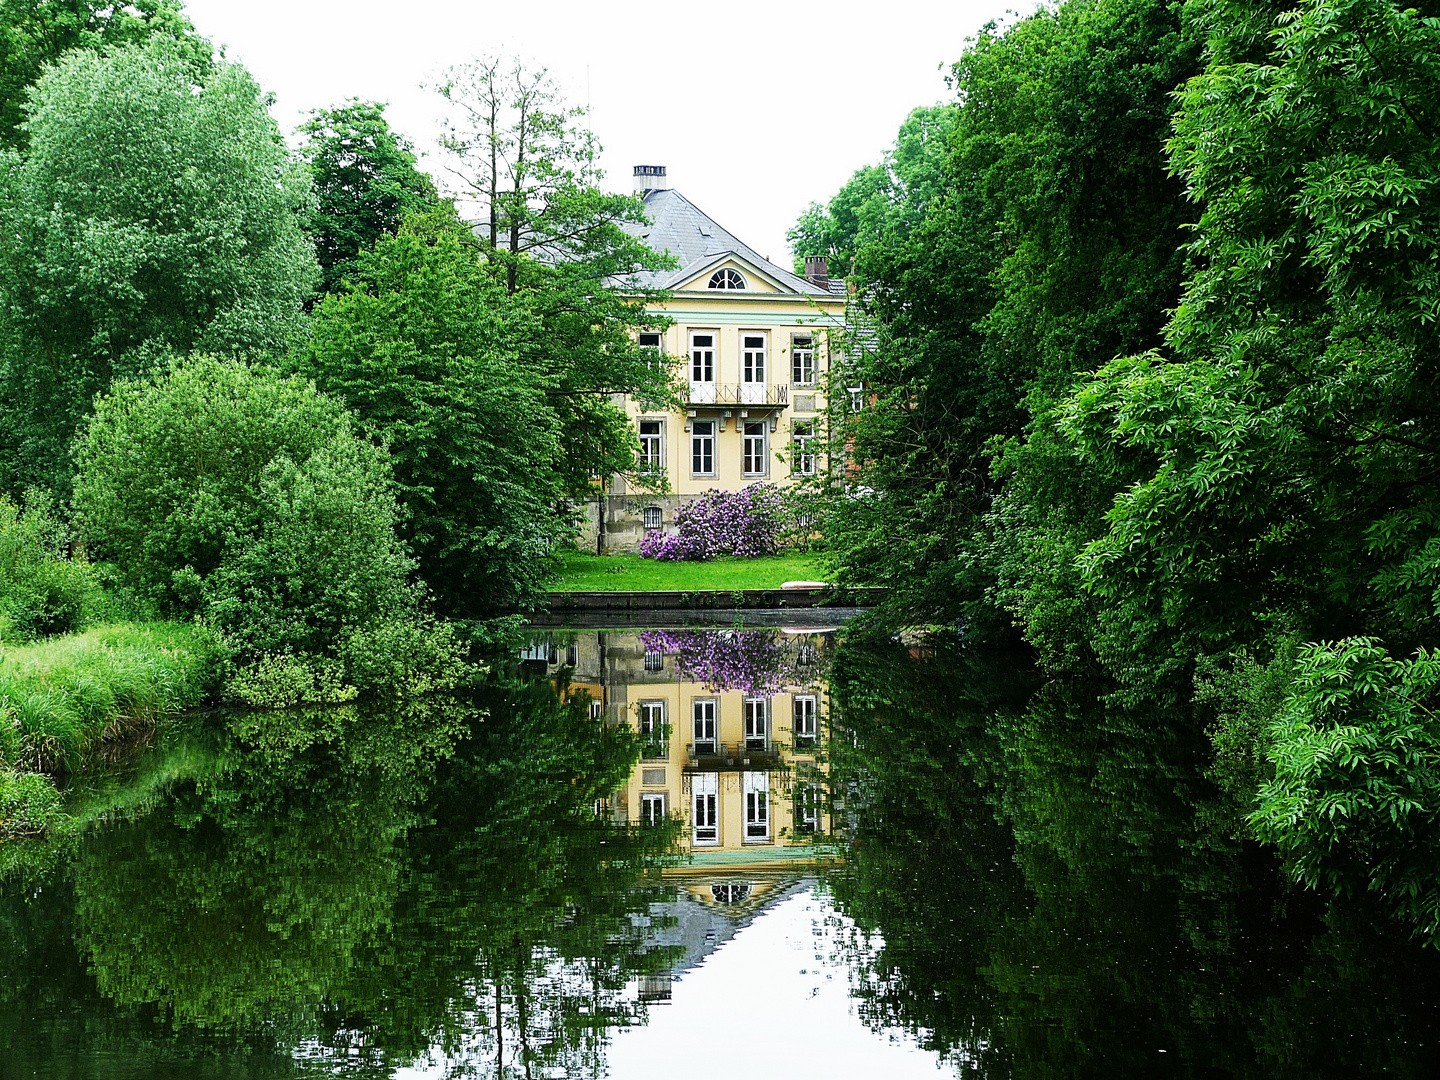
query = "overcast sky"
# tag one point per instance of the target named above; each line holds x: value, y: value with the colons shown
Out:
x: 757, y: 109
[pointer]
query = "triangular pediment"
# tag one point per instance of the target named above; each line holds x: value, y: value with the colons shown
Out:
x: 696, y: 277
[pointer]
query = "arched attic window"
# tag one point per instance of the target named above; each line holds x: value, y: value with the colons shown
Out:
x: 726, y: 279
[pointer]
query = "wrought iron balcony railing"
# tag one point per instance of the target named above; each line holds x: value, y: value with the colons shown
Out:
x: 741, y: 394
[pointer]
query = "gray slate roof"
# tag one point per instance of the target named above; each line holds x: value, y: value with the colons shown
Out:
x: 684, y: 230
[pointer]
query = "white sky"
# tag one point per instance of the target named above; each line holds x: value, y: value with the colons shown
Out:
x: 757, y: 109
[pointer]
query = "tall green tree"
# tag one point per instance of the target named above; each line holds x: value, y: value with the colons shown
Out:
x: 366, y: 180
x: 34, y: 33
x: 425, y: 345
x: 1024, y: 234
x: 154, y: 212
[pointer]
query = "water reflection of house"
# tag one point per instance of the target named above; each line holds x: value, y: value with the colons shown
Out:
x: 705, y: 913
x: 741, y: 769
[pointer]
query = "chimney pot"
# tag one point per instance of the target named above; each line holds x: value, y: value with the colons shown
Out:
x: 650, y: 178
x: 817, y: 272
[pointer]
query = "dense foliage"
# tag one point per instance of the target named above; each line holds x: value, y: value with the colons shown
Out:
x: 43, y: 589
x: 225, y: 491
x: 744, y: 523
x: 154, y: 210
x: 1148, y: 343
x: 366, y: 181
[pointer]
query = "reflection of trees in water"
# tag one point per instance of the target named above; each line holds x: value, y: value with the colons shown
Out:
x: 360, y: 880
x: 1048, y: 892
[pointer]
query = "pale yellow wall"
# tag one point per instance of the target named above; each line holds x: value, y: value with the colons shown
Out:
x: 730, y: 729
x: 729, y: 315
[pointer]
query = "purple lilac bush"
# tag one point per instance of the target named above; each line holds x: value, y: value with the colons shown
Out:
x: 744, y: 523
x: 748, y: 660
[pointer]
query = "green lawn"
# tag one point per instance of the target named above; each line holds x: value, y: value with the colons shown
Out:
x: 630, y: 573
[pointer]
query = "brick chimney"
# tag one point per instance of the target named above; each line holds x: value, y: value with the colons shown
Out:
x: 650, y: 178
x: 817, y: 272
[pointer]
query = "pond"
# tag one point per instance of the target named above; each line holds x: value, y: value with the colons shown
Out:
x: 722, y: 851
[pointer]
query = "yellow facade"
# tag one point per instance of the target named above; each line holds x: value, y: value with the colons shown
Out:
x: 749, y: 344
x: 741, y: 772
x: 783, y: 322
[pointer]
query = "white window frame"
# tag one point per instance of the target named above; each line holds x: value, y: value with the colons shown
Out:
x: 802, y: 458
x: 727, y: 276
x: 756, y: 796
x: 653, y: 518
x: 757, y: 723
x: 652, y: 808
x: 753, y: 462
x: 653, y: 343
x: 597, y: 710
x: 651, y: 714
x: 857, y: 397
x: 705, y: 809
x: 703, y: 358
x: 705, y: 715
x: 754, y: 359
x: 655, y: 665
x: 807, y: 808
x: 652, y: 445
x: 702, y: 448
x: 805, y: 714
x: 802, y: 360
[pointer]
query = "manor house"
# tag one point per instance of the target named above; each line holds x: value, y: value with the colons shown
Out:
x: 753, y: 338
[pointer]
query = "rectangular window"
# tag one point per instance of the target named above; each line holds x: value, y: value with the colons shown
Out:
x: 805, y: 709
x: 542, y: 651
x: 652, y: 808
x: 802, y: 361
x: 703, y: 716
x: 753, y: 456
x: 757, y: 723
x: 807, y: 808
x: 652, y: 446
x: 857, y: 397
x: 702, y: 358
x: 752, y: 358
x: 654, y: 662
x: 597, y: 710
x: 757, y: 806
x: 705, y: 793
x: 802, y: 456
x: 650, y: 346
x: 654, y: 732
x: 654, y: 518
x: 702, y: 447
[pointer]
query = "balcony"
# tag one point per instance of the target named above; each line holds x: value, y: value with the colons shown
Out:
x: 727, y: 757
x: 758, y: 395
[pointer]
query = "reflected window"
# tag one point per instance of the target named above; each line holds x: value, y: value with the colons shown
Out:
x: 654, y: 662
x: 654, y: 518
x: 703, y: 715
x: 597, y: 710
x: 652, y: 808
x: 807, y: 808
x: 705, y: 804
x: 757, y: 806
x: 757, y: 723
x: 806, y: 706
x: 730, y: 892
x: 654, y: 732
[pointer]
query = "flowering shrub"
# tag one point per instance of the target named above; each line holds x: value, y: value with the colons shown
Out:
x: 749, y: 660
x: 744, y: 523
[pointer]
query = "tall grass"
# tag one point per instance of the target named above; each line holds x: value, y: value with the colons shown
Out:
x: 61, y: 698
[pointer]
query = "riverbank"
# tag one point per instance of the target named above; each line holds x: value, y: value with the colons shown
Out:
x: 63, y: 697
x: 584, y: 573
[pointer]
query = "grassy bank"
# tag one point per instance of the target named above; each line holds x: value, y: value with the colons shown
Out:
x: 630, y: 573
x: 62, y: 697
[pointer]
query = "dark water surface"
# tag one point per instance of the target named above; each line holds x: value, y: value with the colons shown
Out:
x: 692, y: 852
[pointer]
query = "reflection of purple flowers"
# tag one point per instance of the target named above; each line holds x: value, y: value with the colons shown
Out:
x: 744, y: 523
x: 749, y: 660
